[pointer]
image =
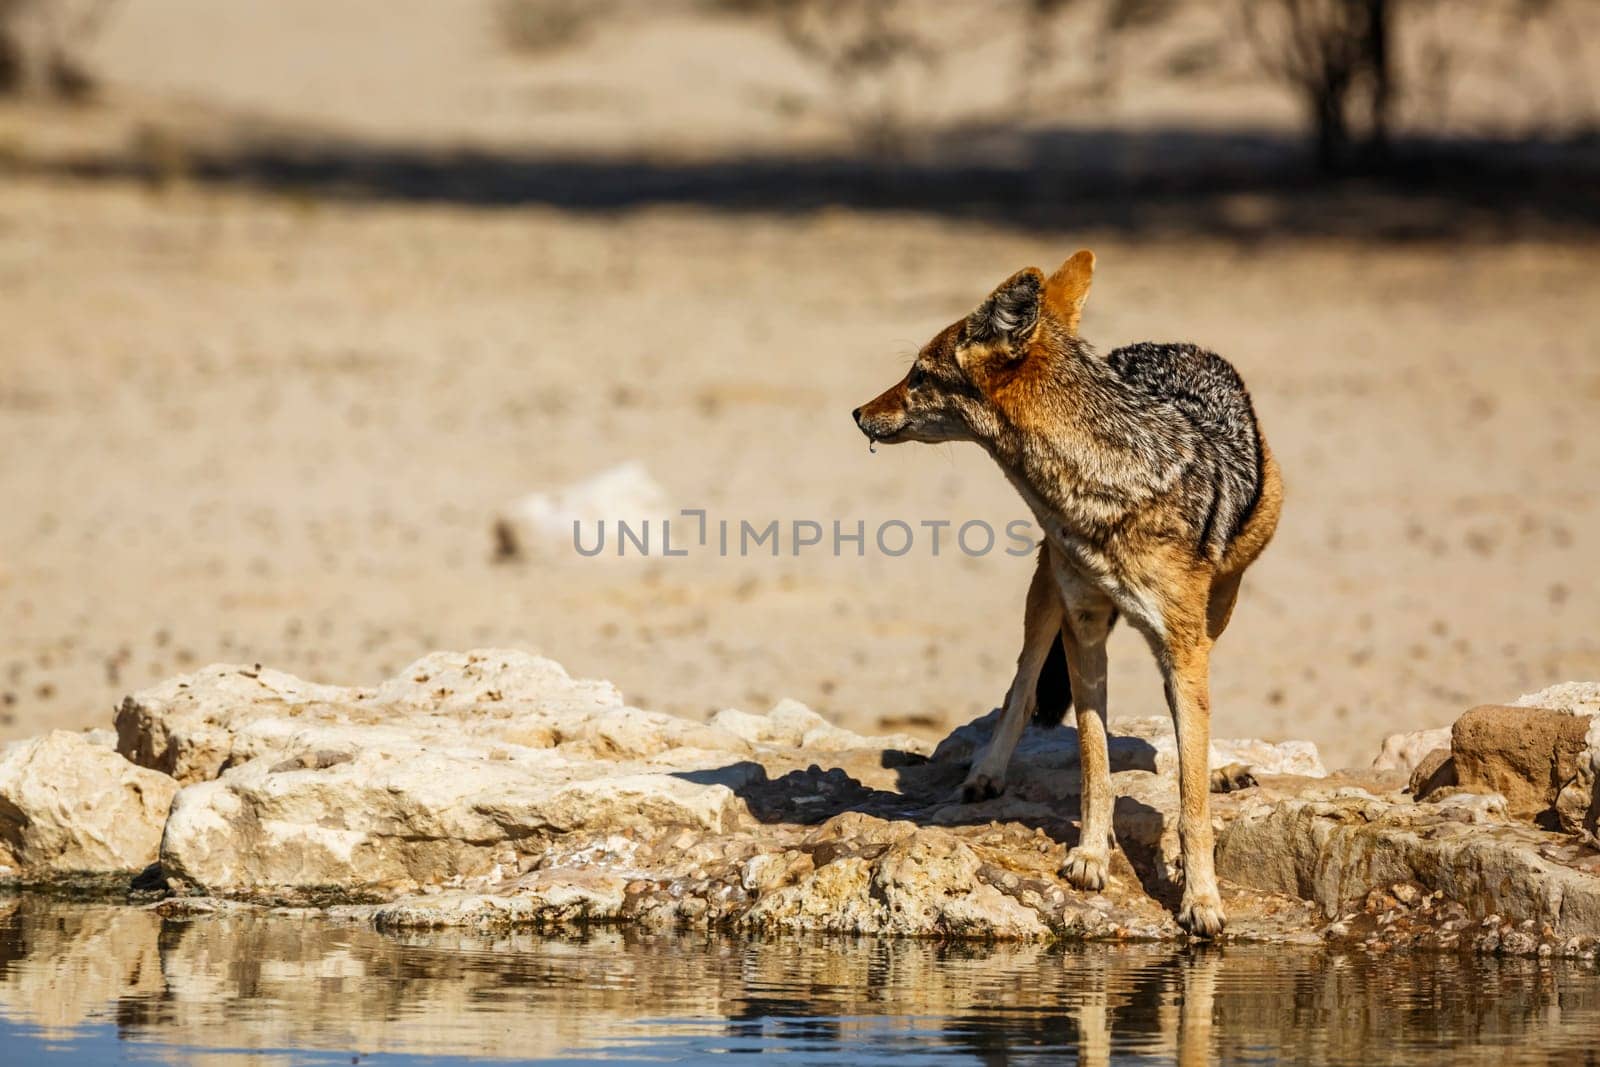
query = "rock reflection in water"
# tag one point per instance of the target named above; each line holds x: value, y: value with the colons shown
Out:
x: 255, y: 981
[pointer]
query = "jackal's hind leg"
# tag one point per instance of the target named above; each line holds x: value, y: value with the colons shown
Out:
x: 1186, y: 667
x: 1233, y: 777
x: 1041, y: 628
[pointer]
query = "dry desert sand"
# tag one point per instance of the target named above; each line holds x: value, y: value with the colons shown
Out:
x: 244, y: 424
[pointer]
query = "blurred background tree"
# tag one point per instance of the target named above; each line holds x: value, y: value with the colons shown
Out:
x: 41, y: 46
x: 1349, y: 63
x: 1345, y: 60
x: 1330, y: 53
x: 1342, y: 59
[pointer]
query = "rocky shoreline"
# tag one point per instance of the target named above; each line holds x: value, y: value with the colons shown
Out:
x: 490, y: 789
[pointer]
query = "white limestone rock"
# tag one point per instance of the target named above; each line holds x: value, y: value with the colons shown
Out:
x: 71, y: 806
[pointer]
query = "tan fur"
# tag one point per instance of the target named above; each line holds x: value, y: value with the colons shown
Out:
x: 1067, y: 290
x: 1118, y: 541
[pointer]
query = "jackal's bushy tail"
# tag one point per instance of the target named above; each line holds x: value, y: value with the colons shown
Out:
x: 1054, y: 691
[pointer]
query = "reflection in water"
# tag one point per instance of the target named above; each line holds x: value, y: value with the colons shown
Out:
x: 100, y: 983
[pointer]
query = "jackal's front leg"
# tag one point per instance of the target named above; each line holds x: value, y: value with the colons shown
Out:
x: 1041, y: 625
x: 1186, y: 667
x: 1089, y: 864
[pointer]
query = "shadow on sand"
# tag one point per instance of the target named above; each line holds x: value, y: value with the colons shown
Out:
x: 1144, y: 183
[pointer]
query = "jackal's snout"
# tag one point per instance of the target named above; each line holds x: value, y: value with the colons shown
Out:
x: 883, y: 417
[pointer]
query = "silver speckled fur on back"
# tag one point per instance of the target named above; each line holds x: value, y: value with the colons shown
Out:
x: 1203, y: 388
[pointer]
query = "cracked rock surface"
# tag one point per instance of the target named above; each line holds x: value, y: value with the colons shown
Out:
x: 490, y: 789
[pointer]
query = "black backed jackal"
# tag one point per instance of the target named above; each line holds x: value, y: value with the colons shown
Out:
x: 1155, y: 490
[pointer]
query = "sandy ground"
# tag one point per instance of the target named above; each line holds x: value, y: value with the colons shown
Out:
x: 243, y: 426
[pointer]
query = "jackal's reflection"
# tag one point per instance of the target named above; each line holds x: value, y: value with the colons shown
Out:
x: 258, y: 981
x: 1151, y: 1002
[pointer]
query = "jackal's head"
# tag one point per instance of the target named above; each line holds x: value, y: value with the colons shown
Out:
x: 954, y: 390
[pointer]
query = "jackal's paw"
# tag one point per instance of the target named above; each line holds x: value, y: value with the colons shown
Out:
x: 1232, y: 778
x: 1086, y: 870
x: 982, y: 785
x: 1201, y: 914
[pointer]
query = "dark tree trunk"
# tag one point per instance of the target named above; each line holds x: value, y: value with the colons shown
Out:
x: 1381, y: 70
x: 1331, y: 129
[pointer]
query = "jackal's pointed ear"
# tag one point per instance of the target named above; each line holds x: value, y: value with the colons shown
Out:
x: 1011, y: 312
x: 1068, y: 288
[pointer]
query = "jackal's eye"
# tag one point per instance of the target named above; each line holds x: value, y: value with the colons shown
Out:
x: 914, y: 381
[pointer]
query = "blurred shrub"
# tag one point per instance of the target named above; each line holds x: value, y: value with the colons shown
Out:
x: 547, y: 25
x: 867, y: 49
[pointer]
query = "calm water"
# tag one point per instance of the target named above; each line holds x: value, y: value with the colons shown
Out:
x: 100, y: 984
